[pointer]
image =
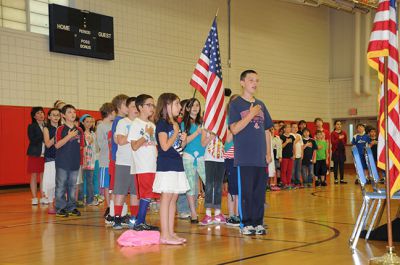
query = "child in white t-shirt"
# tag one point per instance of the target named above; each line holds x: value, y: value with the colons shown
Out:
x: 124, y: 180
x: 298, y: 152
x: 215, y: 170
x: 144, y: 152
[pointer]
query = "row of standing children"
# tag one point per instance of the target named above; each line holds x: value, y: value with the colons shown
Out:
x: 298, y: 156
x: 45, y: 163
x: 146, y: 161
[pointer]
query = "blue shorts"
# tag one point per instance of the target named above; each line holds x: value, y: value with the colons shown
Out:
x: 231, y: 173
x: 104, y: 177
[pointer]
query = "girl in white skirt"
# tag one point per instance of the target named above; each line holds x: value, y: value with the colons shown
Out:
x: 49, y: 174
x: 170, y: 178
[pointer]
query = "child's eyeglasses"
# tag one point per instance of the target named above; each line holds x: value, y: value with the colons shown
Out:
x: 150, y: 105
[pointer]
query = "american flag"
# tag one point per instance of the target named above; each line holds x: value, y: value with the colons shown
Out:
x: 207, y: 79
x: 384, y: 43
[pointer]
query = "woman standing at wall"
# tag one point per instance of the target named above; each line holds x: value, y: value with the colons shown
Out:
x: 338, y: 140
x: 35, y: 152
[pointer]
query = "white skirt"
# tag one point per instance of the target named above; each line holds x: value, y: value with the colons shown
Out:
x: 49, y: 180
x: 271, y: 169
x: 170, y: 182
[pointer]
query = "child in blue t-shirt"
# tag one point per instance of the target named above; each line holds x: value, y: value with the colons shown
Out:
x: 193, y: 155
x: 69, y: 143
x: 361, y: 140
x: 249, y: 122
x: 170, y: 178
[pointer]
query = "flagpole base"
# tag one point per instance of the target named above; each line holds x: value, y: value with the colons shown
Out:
x: 390, y: 258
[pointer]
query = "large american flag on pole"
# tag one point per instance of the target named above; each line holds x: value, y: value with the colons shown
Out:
x: 207, y: 79
x: 384, y: 43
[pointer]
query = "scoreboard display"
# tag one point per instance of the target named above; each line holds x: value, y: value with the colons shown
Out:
x: 80, y: 32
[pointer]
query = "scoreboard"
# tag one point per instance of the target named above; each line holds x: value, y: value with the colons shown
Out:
x: 80, y: 32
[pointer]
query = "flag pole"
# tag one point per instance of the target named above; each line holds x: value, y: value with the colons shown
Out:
x: 389, y: 218
x: 390, y: 257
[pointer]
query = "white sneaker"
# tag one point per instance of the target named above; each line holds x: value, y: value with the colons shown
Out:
x: 260, y: 230
x: 34, y: 201
x: 183, y: 215
x: 44, y: 201
x: 248, y: 230
x: 94, y: 203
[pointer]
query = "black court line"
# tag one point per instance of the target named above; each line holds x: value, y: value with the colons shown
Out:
x: 334, y: 236
x: 311, y: 220
x: 303, y: 251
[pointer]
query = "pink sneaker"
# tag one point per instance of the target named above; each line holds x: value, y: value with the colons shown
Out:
x: 207, y: 220
x: 219, y: 219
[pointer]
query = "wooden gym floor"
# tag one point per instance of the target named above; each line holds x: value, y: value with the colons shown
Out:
x: 306, y: 226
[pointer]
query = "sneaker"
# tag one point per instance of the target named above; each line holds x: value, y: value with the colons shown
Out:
x: 183, y: 215
x: 260, y: 230
x: 336, y: 181
x: 44, y: 201
x: 109, y: 220
x: 132, y: 222
x: 343, y: 182
x: 248, y: 230
x: 194, y: 221
x: 207, y: 220
x: 323, y: 184
x: 317, y: 183
x: 145, y: 227
x: 237, y: 218
x: 99, y: 198
x: 232, y: 221
x: 80, y: 204
x: 95, y: 202
x: 382, y: 181
x: 117, y: 223
x: 219, y: 219
x: 62, y: 213
x: 126, y: 220
x: 75, y: 212
x: 268, y: 189
x: 35, y: 201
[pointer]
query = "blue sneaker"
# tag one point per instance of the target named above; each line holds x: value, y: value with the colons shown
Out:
x: 117, y: 223
x: 132, y: 222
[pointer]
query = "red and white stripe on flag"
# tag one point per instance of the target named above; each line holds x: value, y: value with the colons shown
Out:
x: 384, y: 43
x: 207, y: 79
